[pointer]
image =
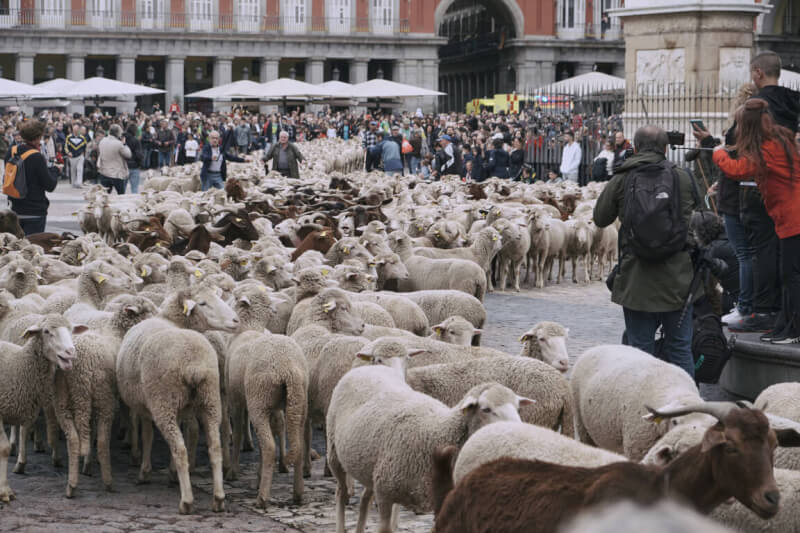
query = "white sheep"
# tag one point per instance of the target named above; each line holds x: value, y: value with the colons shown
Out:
x: 666, y: 517
x: 783, y: 399
x: 611, y: 385
x: 516, y: 245
x: 27, y: 384
x: 456, y: 330
x: 382, y: 433
x: 579, y: 246
x: 438, y: 305
x: 164, y: 368
x: 483, y: 249
x: 547, y: 341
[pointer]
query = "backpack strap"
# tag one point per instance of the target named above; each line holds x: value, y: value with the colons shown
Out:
x: 28, y: 153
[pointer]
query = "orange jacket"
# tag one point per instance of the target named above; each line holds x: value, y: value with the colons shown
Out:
x: 780, y: 187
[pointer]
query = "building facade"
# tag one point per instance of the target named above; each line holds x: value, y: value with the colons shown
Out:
x: 467, y: 48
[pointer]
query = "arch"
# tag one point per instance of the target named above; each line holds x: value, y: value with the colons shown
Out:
x: 511, y: 5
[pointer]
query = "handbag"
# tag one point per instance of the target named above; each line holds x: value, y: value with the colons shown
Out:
x: 407, y: 148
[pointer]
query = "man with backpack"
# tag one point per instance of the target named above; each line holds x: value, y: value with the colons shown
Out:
x: 654, y: 200
x: 27, y: 178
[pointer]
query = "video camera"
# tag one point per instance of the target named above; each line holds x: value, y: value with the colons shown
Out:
x: 676, y: 138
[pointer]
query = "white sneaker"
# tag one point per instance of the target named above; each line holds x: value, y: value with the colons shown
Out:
x: 733, y: 316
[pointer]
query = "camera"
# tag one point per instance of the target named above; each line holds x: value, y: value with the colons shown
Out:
x: 676, y: 138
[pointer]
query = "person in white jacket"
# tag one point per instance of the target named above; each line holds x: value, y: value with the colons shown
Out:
x: 608, y: 153
x: 570, y: 158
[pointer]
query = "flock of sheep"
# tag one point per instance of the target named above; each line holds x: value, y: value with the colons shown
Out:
x: 353, y: 302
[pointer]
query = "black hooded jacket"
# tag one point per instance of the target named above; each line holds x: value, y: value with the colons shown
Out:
x: 784, y: 105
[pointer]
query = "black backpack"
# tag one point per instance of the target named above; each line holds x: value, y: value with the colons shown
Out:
x: 709, y: 348
x: 600, y: 169
x: 653, y: 224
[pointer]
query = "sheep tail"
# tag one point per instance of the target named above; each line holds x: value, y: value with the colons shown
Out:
x: 195, y: 376
x: 442, y: 475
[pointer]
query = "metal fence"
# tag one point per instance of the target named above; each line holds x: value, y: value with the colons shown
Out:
x: 596, y: 114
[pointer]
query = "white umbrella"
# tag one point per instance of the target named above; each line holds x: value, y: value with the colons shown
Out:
x: 286, y: 88
x: 237, y: 89
x: 789, y: 79
x: 107, y: 88
x: 380, y: 88
x: 15, y: 89
x: 57, y: 86
x: 584, y: 84
x: 337, y: 89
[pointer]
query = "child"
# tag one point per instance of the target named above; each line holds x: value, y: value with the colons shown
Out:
x: 191, y: 148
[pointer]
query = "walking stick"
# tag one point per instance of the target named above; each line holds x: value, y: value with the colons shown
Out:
x: 705, y: 182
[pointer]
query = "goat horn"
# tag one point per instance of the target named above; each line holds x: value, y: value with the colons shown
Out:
x: 718, y: 410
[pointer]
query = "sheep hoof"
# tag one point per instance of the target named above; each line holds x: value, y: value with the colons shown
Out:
x: 19, y: 468
x: 314, y: 454
x: 297, y: 499
x: 6, y: 495
x: 109, y: 488
x: 57, y: 463
x: 232, y: 475
x: 262, y: 503
x: 218, y: 506
x: 143, y: 479
x: 70, y: 492
x: 282, y: 468
x: 247, y: 447
x: 306, y: 473
x: 185, y: 508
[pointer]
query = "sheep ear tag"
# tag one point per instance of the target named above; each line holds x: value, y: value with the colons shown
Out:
x: 325, y: 271
x: 144, y: 272
x: 364, y: 357
x: 188, y: 305
x: 346, y: 250
x: 100, y: 279
x: 198, y: 273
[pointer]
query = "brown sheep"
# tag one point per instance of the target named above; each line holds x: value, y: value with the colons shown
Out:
x: 316, y: 240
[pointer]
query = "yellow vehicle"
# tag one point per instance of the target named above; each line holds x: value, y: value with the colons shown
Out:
x: 507, y: 102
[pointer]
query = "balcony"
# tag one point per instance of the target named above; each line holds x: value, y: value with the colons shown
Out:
x: 164, y: 22
x: 600, y: 32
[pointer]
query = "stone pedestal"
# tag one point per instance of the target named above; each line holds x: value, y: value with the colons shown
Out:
x: 174, y: 79
x: 675, y: 48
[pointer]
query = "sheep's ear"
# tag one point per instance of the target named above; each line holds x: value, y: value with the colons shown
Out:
x: 352, y: 275
x: 132, y: 309
x: 145, y: 271
x: 525, y: 401
x: 244, y: 300
x: 411, y: 352
x: 365, y: 357
x: 329, y: 306
x: 325, y: 271
x: 77, y: 329
x: 33, y: 330
x: 664, y: 455
x: 466, y: 404
x: 98, y: 278
x: 438, y: 328
x: 526, y: 337
x: 188, y: 306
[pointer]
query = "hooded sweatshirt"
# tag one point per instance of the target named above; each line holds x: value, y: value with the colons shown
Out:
x: 784, y: 105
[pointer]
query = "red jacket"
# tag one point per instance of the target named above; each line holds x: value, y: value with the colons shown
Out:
x: 780, y: 187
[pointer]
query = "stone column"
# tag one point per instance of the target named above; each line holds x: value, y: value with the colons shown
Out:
x: 223, y: 70
x: 358, y: 70
x: 76, y: 67
x: 126, y: 71
x: 584, y: 67
x: 315, y: 70
x: 174, y: 78
x: 24, y: 70
x: 269, y: 69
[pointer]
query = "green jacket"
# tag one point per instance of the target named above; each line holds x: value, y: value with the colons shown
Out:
x: 293, y: 156
x: 641, y: 285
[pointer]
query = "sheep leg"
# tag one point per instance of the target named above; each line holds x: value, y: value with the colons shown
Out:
x: 385, y: 509
x: 574, y: 261
x: 22, y: 453
x: 516, y: 266
x: 211, y: 422
x: 307, y: 461
x: 177, y: 447
x: 83, y: 424
x: 587, y: 260
x: 249, y: 446
x: 12, y: 440
x: 278, y: 425
x: 6, y: 494
x: 239, y: 422
x: 395, y: 516
x: 261, y: 420
x: 192, y: 437
x: 147, y: 448
x: 73, y: 457
x: 104, y: 422
x: 562, y: 263
x: 502, y: 267
x: 51, y: 422
x: 363, y: 509
x: 341, y: 489
x: 133, y: 432
x: 38, y: 441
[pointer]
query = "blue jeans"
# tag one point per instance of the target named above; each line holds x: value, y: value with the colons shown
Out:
x: 31, y: 225
x: 212, y: 179
x: 133, y: 179
x: 744, y: 253
x: 413, y: 164
x: 641, y: 328
x: 163, y: 159
x: 147, y: 153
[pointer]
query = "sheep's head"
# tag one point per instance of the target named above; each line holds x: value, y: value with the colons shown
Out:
x: 103, y: 280
x: 152, y: 268
x: 389, y: 266
x: 311, y: 281
x: 399, y: 242
x: 490, y: 402
x: 455, y: 330
x: 332, y: 307
x: 547, y: 341
x: 273, y: 273
x: 253, y: 305
x: 19, y: 277
x: 54, y: 333
x: 131, y: 309
x: 353, y: 277
x: 201, y: 308
x: 491, y: 237
x: 388, y: 351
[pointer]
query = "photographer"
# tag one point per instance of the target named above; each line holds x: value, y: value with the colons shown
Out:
x: 655, y: 269
x: 716, y: 254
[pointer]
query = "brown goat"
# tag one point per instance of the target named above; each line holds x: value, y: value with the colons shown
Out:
x: 316, y: 240
x: 735, y: 459
x: 150, y: 232
x: 476, y: 191
x: 9, y: 223
x: 234, y: 190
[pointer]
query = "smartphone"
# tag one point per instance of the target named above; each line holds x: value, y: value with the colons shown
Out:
x: 698, y: 124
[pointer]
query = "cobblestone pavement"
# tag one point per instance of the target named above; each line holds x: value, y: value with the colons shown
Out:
x: 41, y: 507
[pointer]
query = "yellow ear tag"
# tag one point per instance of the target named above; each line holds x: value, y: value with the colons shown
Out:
x: 100, y: 280
x: 323, y: 234
x: 438, y: 331
x: 185, y: 309
x: 325, y: 271
x: 158, y: 244
x: 657, y: 420
x: 198, y: 273
x: 238, y: 219
x: 346, y: 250
x: 243, y: 263
x: 262, y: 289
x: 144, y: 272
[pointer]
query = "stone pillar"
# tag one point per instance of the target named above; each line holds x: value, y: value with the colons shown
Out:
x: 358, y: 70
x: 315, y: 70
x: 269, y: 69
x: 126, y: 71
x: 24, y: 70
x: 223, y: 70
x: 583, y: 67
x: 174, y: 79
x: 76, y: 66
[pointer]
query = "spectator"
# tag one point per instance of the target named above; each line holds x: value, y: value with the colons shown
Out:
x: 285, y: 157
x: 426, y: 167
x: 165, y: 140
x: 449, y: 158
x: 137, y: 156
x: 191, y: 148
x: 570, y: 158
x: 387, y: 152
x: 32, y: 210
x: 111, y: 160
x: 516, y: 159
x: 621, y: 147
x: 214, y: 170
x: 369, y: 139
x: 553, y: 177
x: 651, y: 294
x: 415, y: 156
x: 605, y: 158
x: 497, y: 159
x: 76, y: 152
x: 242, y: 135
x: 767, y: 152
x: 147, y: 142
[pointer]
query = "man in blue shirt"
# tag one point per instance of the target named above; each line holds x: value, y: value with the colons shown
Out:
x: 388, y: 152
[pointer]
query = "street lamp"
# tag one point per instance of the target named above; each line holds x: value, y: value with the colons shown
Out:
x: 245, y: 73
x: 51, y: 72
x: 99, y: 71
x: 1, y: 71
x: 379, y: 73
x: 198, y: 73
x: 335, y: 73
x: 292, y: 73
x: 150, y: 73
